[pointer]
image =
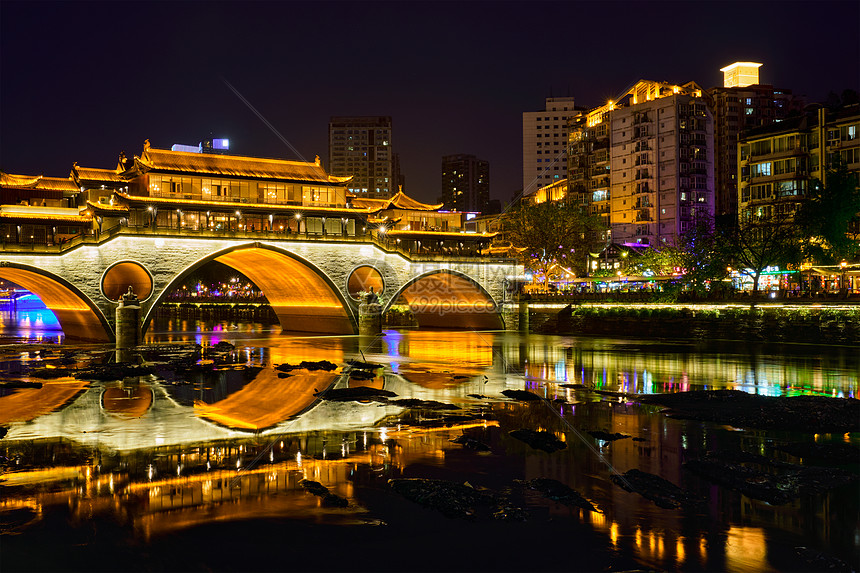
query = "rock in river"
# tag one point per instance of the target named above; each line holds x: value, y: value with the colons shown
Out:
x: 539, y: 440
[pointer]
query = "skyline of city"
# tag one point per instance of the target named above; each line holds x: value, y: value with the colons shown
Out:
x: 171, y: 90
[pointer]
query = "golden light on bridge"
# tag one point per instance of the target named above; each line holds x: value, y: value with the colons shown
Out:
x: 77, y: 319
x: 300, y: 297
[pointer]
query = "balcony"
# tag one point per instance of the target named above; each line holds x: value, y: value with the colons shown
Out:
x: 643, y: 216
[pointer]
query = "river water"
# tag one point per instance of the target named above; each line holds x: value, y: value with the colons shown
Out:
x: 156, y: 459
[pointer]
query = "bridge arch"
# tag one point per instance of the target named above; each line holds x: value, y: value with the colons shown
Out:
x: 301, y: 295
x: 446, y: 298
x: 78, y: 315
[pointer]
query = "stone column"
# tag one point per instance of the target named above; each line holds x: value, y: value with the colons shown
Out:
x: 370, y: 314
x: 370, y: 318
x: 128, y: 327
x: 516, y: 315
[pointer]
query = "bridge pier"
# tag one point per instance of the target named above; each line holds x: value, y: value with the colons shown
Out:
x: 516, y: 316
x: 128, y: 321
x: 370, y: 318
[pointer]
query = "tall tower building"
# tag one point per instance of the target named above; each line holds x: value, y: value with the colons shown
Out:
x: 545, y: 143
x: 738, y: 107
x: 644, y: 162
x: 662, y: 161
x: 362, y: 147
x: 465, y: 183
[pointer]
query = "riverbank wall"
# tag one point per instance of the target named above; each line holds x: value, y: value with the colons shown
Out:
x: 804, y: 324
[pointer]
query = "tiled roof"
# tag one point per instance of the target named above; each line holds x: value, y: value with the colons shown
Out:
x: 402, y: 201
x: 102, y: 207
x: 442, y: 234
x: 399, y: 201
x: 37, y: 182
x: 36, y: 217
x: 96, y: 174
x: 234, y: 166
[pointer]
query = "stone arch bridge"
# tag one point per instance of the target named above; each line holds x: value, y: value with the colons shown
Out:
x: 310, y: 284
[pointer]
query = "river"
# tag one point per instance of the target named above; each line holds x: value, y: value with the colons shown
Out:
x: 161, y: 458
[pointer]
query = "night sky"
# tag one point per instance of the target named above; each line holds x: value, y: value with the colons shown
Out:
x: 83, y: 81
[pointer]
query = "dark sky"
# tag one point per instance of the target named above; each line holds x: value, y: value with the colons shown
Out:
x: 83, y: 81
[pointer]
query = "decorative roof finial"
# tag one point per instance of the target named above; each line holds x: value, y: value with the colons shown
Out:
x: 145, y: 144
x: 317, y: 160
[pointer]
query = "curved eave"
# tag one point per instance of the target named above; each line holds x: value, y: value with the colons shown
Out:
x: 439, y: 234
x: 233, y: 166
x: 140, y: 201
x: 109, y: 210
x: 39, y: 217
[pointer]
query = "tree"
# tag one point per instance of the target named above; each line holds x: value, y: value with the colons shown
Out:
x: 696, y: 254
x: 554, y: 235
x: 828, y: 220
x: 700, y: 255
x: 759, y: 242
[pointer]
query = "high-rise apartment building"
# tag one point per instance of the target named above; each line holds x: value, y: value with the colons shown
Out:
x: 644, y: 161
x: 465, y: 183
x: 362, y: 147
x: 545, y: 143
x: 742, y: 104
x: 778, y: 162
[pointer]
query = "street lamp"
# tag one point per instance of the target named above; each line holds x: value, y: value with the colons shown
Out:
x: 843, y: 265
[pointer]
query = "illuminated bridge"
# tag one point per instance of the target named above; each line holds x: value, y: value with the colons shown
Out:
x: 311, y: 283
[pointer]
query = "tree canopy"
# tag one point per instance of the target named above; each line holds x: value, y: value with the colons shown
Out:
x: 556, y: 236
x: 828, y: 219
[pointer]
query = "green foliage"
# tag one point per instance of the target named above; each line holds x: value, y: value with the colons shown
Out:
x: 757, y: 243
x: 556, y: 236
x: 828, y: 220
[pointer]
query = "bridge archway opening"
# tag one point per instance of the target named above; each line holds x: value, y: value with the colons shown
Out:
x: 448, y: 299
x: 301, y: 296
x: 79, y: 318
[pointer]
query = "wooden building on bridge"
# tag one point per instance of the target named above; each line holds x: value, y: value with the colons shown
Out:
x: 214, y: 193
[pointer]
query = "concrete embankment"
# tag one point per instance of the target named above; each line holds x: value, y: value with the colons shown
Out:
x: 830, y: 324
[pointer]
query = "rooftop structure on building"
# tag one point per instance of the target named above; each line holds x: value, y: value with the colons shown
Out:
x: 362, y: 147
x: 545, y: 143
x: 740, y: 74
x: 465, y: 183
x: 736, y: 109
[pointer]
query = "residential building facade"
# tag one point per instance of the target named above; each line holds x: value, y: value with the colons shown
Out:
x: 545, y: 143
x: 740, y: 106
x: 645, y: 162
x: 778, y: 162
x: 465, y: 183
x: 361, y: 147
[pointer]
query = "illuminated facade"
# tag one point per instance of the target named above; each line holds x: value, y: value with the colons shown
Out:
x: 362, y: 148
x: 738, y: 108
x: 740, y: 74
x: 214, y: 193
x: 465, y: 183
x: 545, y: 142
x: 588, y: 161
x: 777, y: 163
x: 552, y: 192
x: 39, y: 210
x: 644, y: 161
x: 662, y: 164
